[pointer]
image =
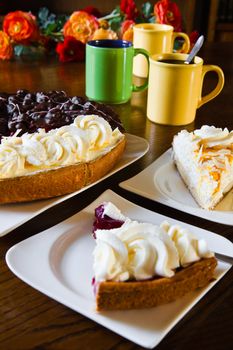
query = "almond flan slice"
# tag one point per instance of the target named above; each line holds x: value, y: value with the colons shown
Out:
x: 141, y: 265
x: 204, y: 159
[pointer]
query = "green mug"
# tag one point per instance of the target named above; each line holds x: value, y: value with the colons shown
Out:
x: 109, y: 70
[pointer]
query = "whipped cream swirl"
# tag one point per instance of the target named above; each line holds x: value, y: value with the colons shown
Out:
x: 211, y: 136
x: 142, y: 250
x: 189, y: 247
x: 86, y: 139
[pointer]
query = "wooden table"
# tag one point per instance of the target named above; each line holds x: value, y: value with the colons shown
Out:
x: 31, y: 320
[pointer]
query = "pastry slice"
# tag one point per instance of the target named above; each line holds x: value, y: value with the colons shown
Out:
x: 204, y: 159
x: 141, y: 265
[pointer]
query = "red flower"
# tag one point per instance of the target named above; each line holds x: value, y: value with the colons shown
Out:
x: 21, y: 26
x: 167, y: 12
x: 129, y: 8
x: 128, y: 23
x: 193, y: 38
x: 92, y: 11
x: 70, y: 50
x: 127, y: 30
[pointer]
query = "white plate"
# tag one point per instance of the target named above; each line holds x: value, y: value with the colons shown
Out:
x: 161, y: 182
x: 14, y: 215
x: 58, y: 262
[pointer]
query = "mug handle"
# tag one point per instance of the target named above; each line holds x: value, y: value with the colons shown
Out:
x: 186, y: 45
x: 217, y: 89
x: 145, y: 85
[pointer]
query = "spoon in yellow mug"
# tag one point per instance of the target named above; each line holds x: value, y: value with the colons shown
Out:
x: 195, y: 49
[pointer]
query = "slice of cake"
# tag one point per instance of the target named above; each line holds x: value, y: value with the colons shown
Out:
x: 141, y: 265
x: 204, y: 159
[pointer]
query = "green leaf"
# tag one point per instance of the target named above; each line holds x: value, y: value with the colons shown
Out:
x: 178, y: 44
x: 115, y: 23
x: 152, y: 19
x: 29, y: 51
x: 61, y: 20
x: 115, y: 19
x: 43, y: 14
x: 18, y: 49
x: 49, y: 22
x: 147, y: 9
x: 116, y: 11
x: 51, y: 27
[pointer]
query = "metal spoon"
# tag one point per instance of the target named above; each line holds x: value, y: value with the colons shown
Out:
x: 195, y: 49
x: 225, y: 258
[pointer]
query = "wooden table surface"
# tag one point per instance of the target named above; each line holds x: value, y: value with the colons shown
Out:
x: 31, y: 320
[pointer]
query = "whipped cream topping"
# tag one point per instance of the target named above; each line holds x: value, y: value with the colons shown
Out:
x: 113, y: 212
x: 142, y: 251
x: 86, y: 139
x: 216, y: 147
x: 211, y: 136
x: 189, y: 247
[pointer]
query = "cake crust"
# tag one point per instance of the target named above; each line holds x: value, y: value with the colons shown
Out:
x: 59, y: 181
x: 98, y: 168
x: 146, y: 294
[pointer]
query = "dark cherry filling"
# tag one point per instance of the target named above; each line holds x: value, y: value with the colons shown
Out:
x: 29, y: 111
x: 104, y: 222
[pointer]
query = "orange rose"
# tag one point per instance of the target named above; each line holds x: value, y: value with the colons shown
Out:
x: 102, y: 33
x: 81, y: 26
x: 6, y: 49
x: 128, y: 35
x: 127, y: 30
x: 20, y: 26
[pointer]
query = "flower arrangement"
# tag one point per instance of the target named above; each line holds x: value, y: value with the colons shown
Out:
x: 24, y: 34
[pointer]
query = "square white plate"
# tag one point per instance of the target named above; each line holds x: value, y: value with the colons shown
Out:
x: 14, y: 215
x: 58, y: 262
x: 164, y: 185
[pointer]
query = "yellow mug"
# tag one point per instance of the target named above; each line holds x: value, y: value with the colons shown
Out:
x: 175, y: 88
x: 155, y: 38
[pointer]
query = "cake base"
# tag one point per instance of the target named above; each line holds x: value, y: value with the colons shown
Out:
x: 59, y: 181
x: 151, y: 293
